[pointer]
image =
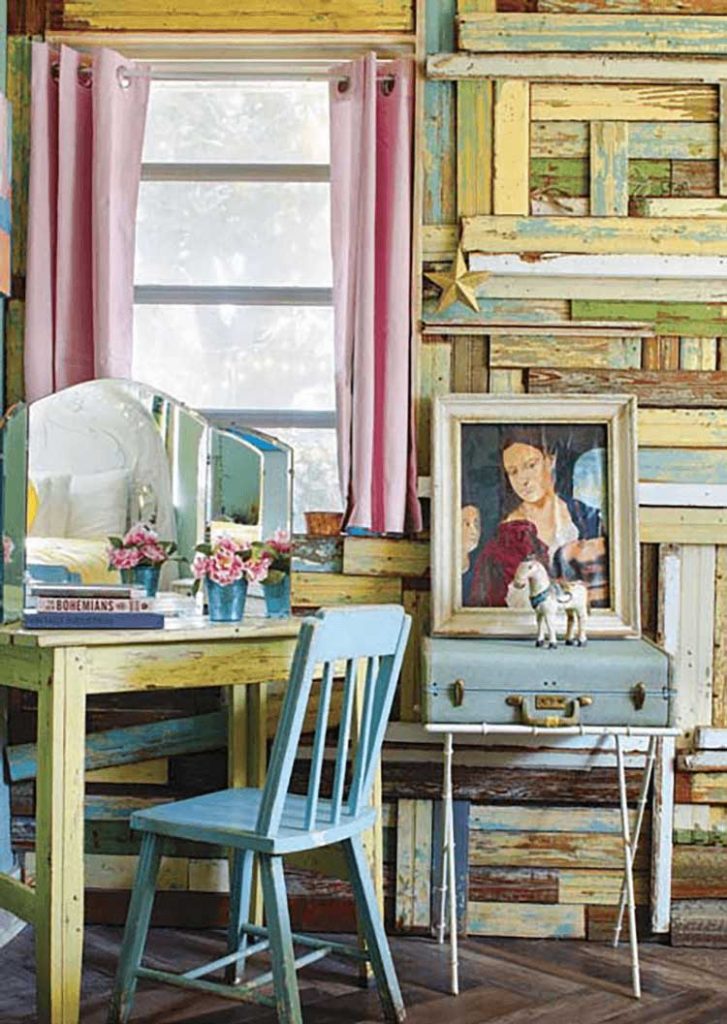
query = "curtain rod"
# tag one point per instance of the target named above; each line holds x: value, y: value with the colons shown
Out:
x: 231, y: 71
x: 235, y: 72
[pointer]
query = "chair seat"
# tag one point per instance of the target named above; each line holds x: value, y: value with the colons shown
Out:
x: 229, y: 816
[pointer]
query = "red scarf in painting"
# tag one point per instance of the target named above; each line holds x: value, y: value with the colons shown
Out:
x: 499, y: 559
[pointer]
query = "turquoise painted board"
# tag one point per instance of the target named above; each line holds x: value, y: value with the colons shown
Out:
x: 461, y: 813
x: 439, y: 118
x: 682, y: 466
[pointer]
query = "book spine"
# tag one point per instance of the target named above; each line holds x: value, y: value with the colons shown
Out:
x: 92, y: 620
x: 93, y: 604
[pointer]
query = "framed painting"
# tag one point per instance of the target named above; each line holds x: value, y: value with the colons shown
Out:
x: 517, y: 477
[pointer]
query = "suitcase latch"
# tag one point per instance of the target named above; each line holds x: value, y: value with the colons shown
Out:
x: 458, y: 692
x: 550, y: 702
x: 638, y: 696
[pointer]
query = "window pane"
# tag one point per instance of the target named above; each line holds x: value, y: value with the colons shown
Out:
x: 237, y: 122
x: 315, y: 472
x: 221, y: 233
x: 237, y: 357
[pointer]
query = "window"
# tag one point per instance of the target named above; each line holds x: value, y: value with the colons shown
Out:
x: 233, y: 264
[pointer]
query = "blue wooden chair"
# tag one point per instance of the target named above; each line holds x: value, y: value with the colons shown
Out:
x: 272, y: 822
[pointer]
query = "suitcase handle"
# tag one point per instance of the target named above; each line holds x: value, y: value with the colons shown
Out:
x: 527, y: 717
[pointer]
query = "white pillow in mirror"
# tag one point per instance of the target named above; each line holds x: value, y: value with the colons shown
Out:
x: 99, y: 503
x: 51, y: 517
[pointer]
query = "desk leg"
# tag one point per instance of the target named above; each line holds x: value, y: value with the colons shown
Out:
x: 628, y: 868
x: 449, y: 884
x: 59, y: 841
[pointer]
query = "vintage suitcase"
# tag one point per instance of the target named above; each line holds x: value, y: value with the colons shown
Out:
x: 608, y: 682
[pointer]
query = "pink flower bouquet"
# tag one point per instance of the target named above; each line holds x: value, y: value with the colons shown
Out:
x: 278, y: 551
x: 227, y: 561
x: 139, y: 547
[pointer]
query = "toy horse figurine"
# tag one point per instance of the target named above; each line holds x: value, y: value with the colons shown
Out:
x: 548, y: 598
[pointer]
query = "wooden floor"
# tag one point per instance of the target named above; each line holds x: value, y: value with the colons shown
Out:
x: 504, y: 981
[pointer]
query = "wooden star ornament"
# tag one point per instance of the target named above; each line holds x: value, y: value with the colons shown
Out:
x: 458, y: 284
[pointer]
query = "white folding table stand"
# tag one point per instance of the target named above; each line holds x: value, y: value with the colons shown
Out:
x: 448, y: 910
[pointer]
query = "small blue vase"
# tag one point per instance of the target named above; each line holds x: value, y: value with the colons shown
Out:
x: 277, y: 598
x: 146, y: 576
x: 226, y: 601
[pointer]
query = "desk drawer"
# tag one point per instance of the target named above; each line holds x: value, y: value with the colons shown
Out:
x: 609, y: 682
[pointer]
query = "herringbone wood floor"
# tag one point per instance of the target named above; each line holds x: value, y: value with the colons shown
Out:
x: 503, y: 981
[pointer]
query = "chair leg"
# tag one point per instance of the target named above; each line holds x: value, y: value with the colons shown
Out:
x: 137, y: 926
x: 240, y: 895
x: 275, y: 897
x: 373, y: 929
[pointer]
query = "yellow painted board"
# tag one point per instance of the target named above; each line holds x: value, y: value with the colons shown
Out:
x: 142, y: 667
x: 315, y: 589
x: 698, y: 353
x: 567, y: 352
x: 506, y: 382
x: 226, y: 15
x: 117, y: 871
x: 550, y: 850
x: 722, y: 176
x: 616, y: 235
x: 599, y: 887
x: 510, y: 190
x: 682, y: 207
x: 526, y: 920
x: 376, y: 556
x: 18, y: 898
x: 551, y: 101
x: 154, y: 772
x: 209, y: 875
x: 674, y: 525
x: 474, y: 148
x: 682, y: 428
x: 439, y: 242
x: 435, y: 374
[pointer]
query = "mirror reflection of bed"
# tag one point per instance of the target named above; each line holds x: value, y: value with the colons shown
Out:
x: 107, y: 454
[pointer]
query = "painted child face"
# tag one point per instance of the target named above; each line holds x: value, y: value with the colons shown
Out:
x: 471, y: 528
x: 529, y: 471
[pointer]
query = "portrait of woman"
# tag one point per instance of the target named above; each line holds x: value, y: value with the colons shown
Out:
x: 542, y: 493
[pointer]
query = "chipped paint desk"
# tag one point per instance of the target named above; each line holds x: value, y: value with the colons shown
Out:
x: 63, y: 668
x: 660, y: 752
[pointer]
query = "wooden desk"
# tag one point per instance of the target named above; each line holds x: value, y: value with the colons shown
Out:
x: 62, y: 668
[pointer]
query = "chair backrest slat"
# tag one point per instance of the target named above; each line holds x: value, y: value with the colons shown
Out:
x: 377, y: 633
x: 344, y: 736
x: 319, y: 745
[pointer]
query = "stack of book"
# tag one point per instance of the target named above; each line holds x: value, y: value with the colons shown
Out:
x: 67, y: 606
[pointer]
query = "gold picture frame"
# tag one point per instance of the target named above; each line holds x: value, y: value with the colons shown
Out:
x: 517, y: 475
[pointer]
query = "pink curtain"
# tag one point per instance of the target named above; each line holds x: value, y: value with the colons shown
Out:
x: 371, y: 195
x: 86, y: 137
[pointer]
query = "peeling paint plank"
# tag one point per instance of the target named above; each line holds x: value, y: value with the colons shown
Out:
x: 668, y: 389
x: 609, y: 169
x: 619, y: 235
x: 641, y: 102
x: 563, y: 352
x: 413, y: 863
x: 474, y: 148
x: 658, y: 141
x: 528, y: 920
x: 601, y: 33
x: 683, y: 319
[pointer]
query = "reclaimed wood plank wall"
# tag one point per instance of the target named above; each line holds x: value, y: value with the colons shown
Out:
x: 583, y: 129
x: 598, y: 164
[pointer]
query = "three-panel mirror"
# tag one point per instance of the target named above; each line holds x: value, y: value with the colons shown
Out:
x: 106, y: 454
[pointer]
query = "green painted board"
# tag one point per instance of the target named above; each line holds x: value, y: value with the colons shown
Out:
x: 685, y: 319
x: 569, y: 176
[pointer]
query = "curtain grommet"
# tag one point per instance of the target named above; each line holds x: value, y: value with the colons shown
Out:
x: 343, y: 85
x: 123, y: 78
x: 387, y: 86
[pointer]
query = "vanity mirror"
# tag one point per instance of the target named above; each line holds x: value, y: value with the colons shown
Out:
x: 108, y: 453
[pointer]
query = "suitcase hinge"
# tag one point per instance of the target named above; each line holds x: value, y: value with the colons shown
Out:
x: 638, y: 696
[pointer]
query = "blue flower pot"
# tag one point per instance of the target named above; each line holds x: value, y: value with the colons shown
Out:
x: 146, y: 576
x: 277, y: 598
x: 226, y: 602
